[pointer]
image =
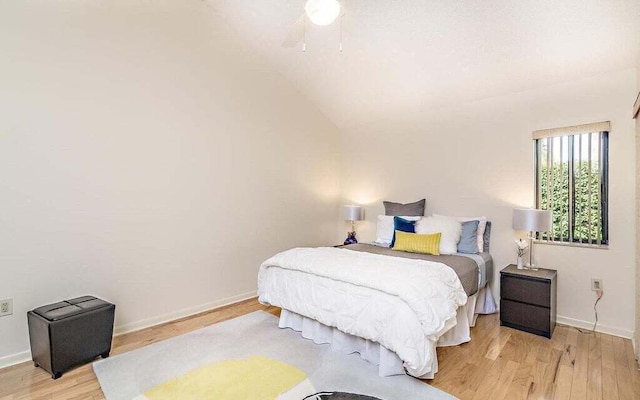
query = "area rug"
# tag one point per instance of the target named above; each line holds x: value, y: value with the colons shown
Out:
x: 249, y: 357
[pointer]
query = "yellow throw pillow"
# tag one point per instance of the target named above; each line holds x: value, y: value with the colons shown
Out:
x: 418, y: 243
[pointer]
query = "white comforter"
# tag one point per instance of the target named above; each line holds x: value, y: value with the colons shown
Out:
x: 403, y: 304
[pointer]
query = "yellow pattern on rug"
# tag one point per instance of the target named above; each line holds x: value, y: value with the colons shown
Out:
x: 255, y: 377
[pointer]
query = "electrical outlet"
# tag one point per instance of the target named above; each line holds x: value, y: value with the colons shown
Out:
x: 6, y: 307
x: 596, y: 284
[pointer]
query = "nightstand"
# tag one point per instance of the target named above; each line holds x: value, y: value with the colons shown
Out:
x: 528, y: 299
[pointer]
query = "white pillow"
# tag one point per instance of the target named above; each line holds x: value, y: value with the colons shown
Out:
x: 481, y: 228
x: 384, y: 233
x: 449, y: 228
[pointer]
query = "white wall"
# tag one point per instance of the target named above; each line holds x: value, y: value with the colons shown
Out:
x: 477, y: 159
x: 148, y: 157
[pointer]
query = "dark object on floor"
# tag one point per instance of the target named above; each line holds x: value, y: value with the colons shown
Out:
x: 339, y: 396
x: 66, y: 334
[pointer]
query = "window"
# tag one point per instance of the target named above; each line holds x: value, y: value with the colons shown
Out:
x: 572, y: 181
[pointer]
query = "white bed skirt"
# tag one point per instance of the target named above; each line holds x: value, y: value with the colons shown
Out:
x: 388, y: 362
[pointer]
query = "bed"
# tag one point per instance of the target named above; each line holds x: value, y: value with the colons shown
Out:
x: 391, y: 307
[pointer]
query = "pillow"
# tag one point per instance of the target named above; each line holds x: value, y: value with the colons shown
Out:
x: 486, y: 237
x: 384, y: 231
x: 448, y: 227
x: 481, y: 227
x: 417, y: 243
x: 468, y: 243
x: 410, y: 209
x: 402, y: 225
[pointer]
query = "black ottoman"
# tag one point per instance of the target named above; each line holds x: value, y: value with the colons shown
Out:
x: 72, y: 332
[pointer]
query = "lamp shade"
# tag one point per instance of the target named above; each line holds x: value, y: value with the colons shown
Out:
x: 352, y: 213
x: 532, y: 220
x: 322, y: 12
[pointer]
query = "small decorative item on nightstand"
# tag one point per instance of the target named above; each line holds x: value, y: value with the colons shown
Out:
x: 522, y: 248
x: 353, y: 214
x: 528, y: 299
x: 351, y: 238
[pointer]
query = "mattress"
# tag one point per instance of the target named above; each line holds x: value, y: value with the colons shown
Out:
x: 473, y: 270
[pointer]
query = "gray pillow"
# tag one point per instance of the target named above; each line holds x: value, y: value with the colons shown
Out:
x: 408, y: 210
x: 468, y: 243
x: 485, y: 238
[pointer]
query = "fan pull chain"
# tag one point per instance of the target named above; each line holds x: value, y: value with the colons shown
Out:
x: 341, y: 16
x: 304, y: 33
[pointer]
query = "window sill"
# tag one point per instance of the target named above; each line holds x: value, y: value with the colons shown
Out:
x: 580, y: 245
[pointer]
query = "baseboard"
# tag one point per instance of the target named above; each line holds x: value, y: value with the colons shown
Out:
x: 24, y: 356
x: 14, y: 359
x: 599, y: 328
x: 174, y: 315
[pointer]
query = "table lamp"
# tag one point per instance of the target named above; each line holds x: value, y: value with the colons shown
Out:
x: 352, y: 213
x: 531, y: 220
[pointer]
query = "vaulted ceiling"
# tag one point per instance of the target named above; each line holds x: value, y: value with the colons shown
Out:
x: 420, y: 54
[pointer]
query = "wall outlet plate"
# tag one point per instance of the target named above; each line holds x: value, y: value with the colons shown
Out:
x: 6, y: 307
x: 596, y: 284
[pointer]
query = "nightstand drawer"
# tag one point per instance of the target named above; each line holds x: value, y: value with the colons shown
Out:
x: 525, y: 315
x: 525, y: 290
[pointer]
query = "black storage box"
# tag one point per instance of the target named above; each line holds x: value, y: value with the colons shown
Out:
x: 66, y: 334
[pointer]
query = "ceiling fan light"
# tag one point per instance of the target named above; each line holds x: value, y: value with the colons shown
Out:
x: 322, y: 12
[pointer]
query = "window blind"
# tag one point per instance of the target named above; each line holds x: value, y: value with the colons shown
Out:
x: 573, y: 130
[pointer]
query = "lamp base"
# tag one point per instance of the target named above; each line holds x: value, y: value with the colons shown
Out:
x: 351, y: 238
x: 531, y: 267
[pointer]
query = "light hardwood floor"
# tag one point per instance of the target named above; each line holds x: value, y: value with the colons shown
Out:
x: 498, y: 363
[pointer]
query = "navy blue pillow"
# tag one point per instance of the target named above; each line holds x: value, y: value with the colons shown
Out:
x: 403, y: 225
x: 468, y: 243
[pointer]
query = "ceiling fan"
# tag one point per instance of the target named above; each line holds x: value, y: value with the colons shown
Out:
x: 318, y: 12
